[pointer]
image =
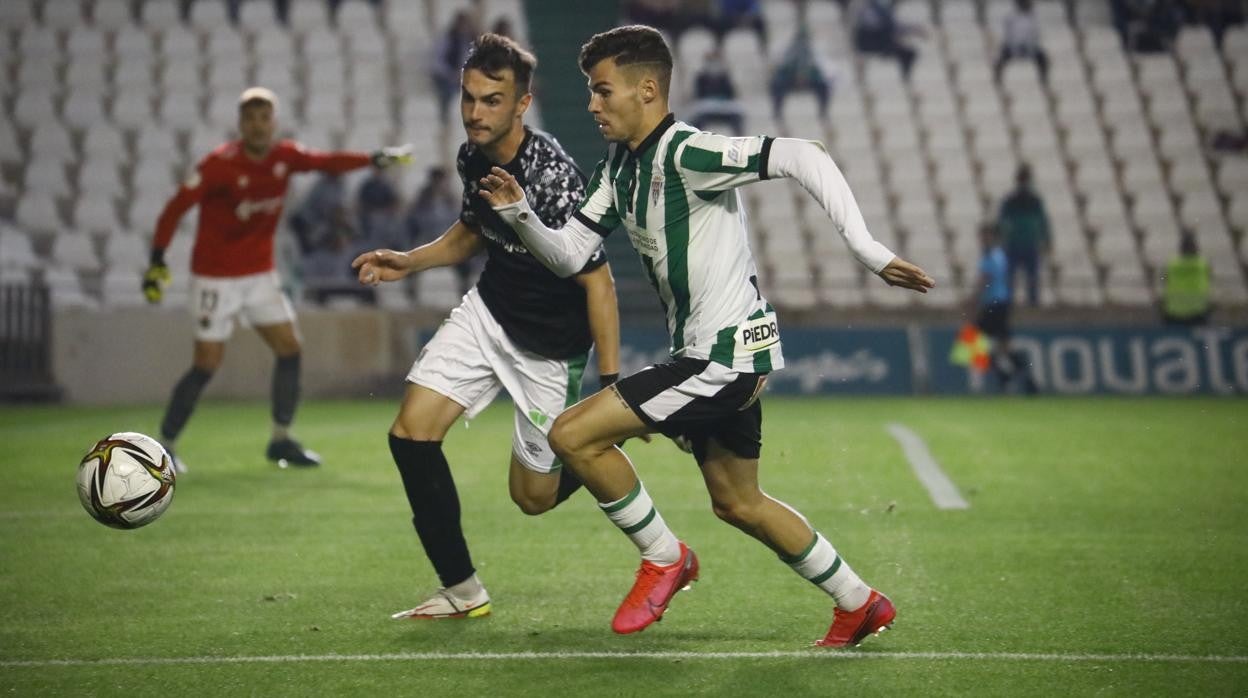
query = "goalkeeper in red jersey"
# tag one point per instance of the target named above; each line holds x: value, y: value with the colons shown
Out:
x: 240, y: 188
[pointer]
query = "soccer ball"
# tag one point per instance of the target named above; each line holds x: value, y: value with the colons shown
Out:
x: 126, y: 480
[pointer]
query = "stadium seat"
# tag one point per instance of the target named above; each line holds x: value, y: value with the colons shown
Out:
x: 37, y: 212
x: 82, y: 109
x: 160, y: 16
x: 1199, y: 209
x: 75, y: 250
x: 133, y: 43
x: 209, y: 17
x: 112, y: 14
x: 50, y: 140
x: 126, y: 252
x: 1190, y: 174
x: 305, y: 17
x: 46, y: 176
x: 33, y: 109
x: 62, y: 14
x: 260, y: 20
x: 16, y: 252
x: 86, y: 42
x: 96, y: 213
x: 99, y: 176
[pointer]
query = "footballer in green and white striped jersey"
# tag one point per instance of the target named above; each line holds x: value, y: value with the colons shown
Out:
x: 675, y: 195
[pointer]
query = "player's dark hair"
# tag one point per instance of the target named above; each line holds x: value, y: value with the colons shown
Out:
x: 494, y: 53
x: 631, y: 45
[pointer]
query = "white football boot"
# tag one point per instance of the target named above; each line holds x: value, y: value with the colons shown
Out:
x: 443, y: 604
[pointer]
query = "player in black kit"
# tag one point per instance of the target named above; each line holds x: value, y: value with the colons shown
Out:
x: 521, y: 327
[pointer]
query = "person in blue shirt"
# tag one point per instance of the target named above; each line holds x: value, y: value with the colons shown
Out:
x: 992, y: 301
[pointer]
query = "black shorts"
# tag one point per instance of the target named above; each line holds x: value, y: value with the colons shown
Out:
x: 994, y: 321
x: 699, y: 400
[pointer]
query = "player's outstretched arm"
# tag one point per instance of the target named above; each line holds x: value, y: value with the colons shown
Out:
x: 564, y: 251
x: 457, y: 244
x: 811, y: 165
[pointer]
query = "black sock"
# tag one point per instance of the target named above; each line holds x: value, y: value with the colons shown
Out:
x: 182, y: 402
x: 568, y: 484
x: 285, y: 389
x: 435, y: 506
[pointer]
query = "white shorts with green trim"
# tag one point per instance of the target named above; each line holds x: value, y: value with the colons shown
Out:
x: 470, y: 359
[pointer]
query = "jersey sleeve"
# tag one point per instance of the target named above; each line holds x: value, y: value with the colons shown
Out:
x: 189, y: 193
x: 711, y: 162
x: 303, y: 159
x: 597, y: 211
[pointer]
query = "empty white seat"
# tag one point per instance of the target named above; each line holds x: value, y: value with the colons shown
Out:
x: 111, y: 14
x: 161, y: 15
x: 209, y: 16
x: 259, y: 18
x: 16, y: 252
x: 99, y: 177
x: 37, y: 212
x: 17, y: 15
x: 1199, y: 208
x: 82, y: 109
x: 75, y: 250
x: 1190, y: 175
x: 133, y: 43
x: 50, y: 139
x: 225, y: 43
x: 97, y: 214
x: 34, y: 108
x: 1233, y: 175
x: 47, y: 176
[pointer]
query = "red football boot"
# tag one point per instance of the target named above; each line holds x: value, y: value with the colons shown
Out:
x: 653, y: 590
x: 849, y: 628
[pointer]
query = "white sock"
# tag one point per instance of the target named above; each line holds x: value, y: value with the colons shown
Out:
x: 636, y: 516
x: 280, y: 433
x: 466, y: 590
x: 820, y: 565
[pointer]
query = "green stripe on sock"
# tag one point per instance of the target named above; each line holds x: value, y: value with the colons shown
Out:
x: 794, y: 559
x: 836, y: 565
x: 612, y: 508
x: 640, y: 524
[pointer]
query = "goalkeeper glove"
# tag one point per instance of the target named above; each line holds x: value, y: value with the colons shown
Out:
x: 155, y: 278
x: 393, y: 155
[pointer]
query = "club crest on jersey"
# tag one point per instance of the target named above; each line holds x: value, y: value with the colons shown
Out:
x: 279, y: 170
x: 656, y: 190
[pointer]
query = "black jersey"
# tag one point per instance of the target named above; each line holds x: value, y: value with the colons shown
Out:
x: 540, y: 312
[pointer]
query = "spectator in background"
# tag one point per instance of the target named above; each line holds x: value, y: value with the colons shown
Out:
x: 1185, y: 286
x: 990, y: 304
x: 799, y: 70
x: 1024, y: 225
x: 1020, y: 38
x: 379, y: 210
x: 1219, y: 15
x: 449, y: 55
x: 434, y: 209
x: 877, y: 31
x: 323, y: 232
x: 715, y: 97
x: 736, y: 14
x: 1147, y: 26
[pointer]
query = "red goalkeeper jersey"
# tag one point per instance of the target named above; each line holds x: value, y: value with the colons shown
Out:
x: 240, y: 201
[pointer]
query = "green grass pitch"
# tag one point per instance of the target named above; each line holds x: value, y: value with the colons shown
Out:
x: 1105, y: 551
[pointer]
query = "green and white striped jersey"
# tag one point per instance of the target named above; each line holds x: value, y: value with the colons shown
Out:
x: 676, y: 197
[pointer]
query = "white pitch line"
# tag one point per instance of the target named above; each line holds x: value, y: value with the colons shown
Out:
x: 541, y: 656
x: 940, y: 488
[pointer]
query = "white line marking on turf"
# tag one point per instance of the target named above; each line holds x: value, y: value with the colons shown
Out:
x: 943, y: 492
x: 527, y: 656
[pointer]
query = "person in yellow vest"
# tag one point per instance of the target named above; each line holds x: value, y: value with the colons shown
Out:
x: 1185, y: 286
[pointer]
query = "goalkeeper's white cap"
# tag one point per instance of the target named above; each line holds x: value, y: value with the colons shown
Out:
x: 258, y: 94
